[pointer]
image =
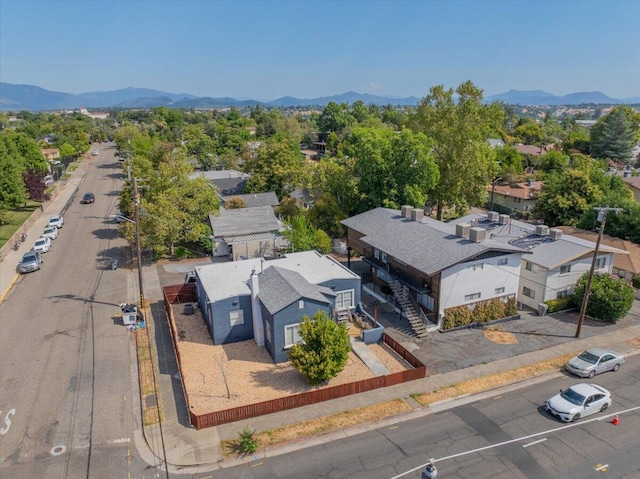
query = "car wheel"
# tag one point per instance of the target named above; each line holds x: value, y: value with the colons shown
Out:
x: 604, y: 407
x: 616, y: 367
x: 576, y: 417
x: 592, y: 374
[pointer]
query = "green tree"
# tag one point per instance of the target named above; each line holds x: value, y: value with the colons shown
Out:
x: 12, y: 187
x: 565, y: 197
x: 459, y: 130
x: 610, y: 298
x: 530, y: 133
x: 554, y: 161
x: 394, y: 168
x: 615, y: 135
x: 67, y: 151
x: 304, y: 237
x: 336, y: 118
x: 324, y: 350
x: 335, y: 177
x: 509, y: 162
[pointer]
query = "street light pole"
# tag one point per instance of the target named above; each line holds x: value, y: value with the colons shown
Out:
x: 136, y: 217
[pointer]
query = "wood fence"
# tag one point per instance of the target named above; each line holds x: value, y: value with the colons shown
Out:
x: 187, y: 293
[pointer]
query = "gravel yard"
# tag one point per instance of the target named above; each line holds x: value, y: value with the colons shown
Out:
x: 232, y: 375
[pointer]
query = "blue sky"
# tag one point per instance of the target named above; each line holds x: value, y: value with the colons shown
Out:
x: 267, y: 49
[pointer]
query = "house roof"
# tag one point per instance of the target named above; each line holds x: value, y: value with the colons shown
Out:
x: 545, y: 251
x: 427, y: 245
x: 241, y: 239
x: 228, y: 182
x: 244, y: 221
x: 281, y: 287
x: 625, y: 262
x: 253, y: 200
x: 632, y: 181
x: 530, y: 149
x: 525, y: 191
x: 225, y: 280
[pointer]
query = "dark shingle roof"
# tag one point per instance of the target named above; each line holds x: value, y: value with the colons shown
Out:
x: 281, y: 287
x: 428, y: 245
x: 253, y: 200
x: 244, y: 221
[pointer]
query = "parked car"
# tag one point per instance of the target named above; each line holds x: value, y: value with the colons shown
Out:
x: 88, y: 198
x: 95, y: 152
x: 594, y: 361
x: 31, y: 261
x: 50, y: 232
x: 578, y: 401
x: 56, y: 221
x: 42, y: 245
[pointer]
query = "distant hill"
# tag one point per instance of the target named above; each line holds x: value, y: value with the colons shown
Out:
x: 539, y: 97
x: 33, y: 98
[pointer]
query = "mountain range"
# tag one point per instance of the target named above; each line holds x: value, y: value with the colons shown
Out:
x: 34, y: 98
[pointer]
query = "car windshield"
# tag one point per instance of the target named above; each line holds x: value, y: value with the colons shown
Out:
x: 588, y: 357
x: 40, y: 241
x: 29, y: 257
x: 572, y: 396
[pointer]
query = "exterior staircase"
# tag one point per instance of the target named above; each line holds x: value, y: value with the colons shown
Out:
x: 401, y: 295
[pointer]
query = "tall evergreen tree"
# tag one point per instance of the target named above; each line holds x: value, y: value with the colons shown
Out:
x: 614, y: 136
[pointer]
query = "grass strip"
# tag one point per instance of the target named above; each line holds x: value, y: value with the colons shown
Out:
x: 150, y: 414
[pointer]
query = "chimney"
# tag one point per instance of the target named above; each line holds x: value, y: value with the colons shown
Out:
x: 542, y: 230
x: 555, y: 234
x: 477, y: 234
x: 462, y: 230
x: 405, y: 211
x: 417, y: 214
x: 256, y: 312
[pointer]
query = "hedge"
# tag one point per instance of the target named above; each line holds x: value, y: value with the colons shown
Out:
x: 560, y: 304
x: 483, y: 312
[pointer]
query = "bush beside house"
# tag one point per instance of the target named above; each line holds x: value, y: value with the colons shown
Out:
x: 561, y: 304
x: 611, y: 297
x: 482, y: 312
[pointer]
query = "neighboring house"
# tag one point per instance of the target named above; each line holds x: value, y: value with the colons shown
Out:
x: 633, y: 182
x: 586, y: 123
x: 253, y: 200
x: 303, y: 197
x: 246, y: 233
x: 266, y: 300
x: 48, y: 139
x: 432, y: 265
x: 518, y: 197
x: 531, y: 149
x: 310, y: 155
x: 51, y: 153
x: 624, y: 265
x: 228, y: 182
x: 555, y: 261
x: 495, y: 142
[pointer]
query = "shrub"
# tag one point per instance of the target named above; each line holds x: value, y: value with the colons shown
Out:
x: 611, y: 297
x: 247, y: 441
x: 560, y: 304
x: 511, y: 308
x: 635, y: 281
x: 457, y: 316
x: 488, y: 311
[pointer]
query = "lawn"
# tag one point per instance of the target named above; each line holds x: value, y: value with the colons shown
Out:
x: 14, y: 219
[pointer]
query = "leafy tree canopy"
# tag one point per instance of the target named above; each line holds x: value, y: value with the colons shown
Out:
x: 610, y: 298
x: 615, y: 134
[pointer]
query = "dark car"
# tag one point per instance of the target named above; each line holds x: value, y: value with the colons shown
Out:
x: 31, y: 261
x: 88, y: 198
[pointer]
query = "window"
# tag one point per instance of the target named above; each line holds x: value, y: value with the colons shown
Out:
x: 529, y: 292
x: 471, y: 297
x: 376, y: 254
x: 502, y: 261
x: 344, y: 299
x: 562, y: 294
x: 301, y: 304
x: 528, y: 266
x: 601, y: 263
x: 498, y: 290
x: 565, y: 269
x: 292, y: 335
x: 517, y: 200
x: 384, y: 258
x: 236, y: 317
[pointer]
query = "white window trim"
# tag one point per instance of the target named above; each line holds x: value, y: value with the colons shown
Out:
x: 239, y: 320
x: 352, y: 293
x: 286, y: 328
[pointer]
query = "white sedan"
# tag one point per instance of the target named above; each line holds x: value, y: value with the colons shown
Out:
x: 579, y: 401
x: 50, y: 232
x: 42, y: 245
x: 56, y: 221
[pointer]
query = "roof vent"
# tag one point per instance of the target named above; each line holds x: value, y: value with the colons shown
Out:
x: 405, y: 211
x: 531, y: 182
x: 503, y: 219
x: 417, y: 214
x: 542, y: 230
x: 492, y: 216
x: 477, y: 234
x: 462, y: 230
x: 555, y: 234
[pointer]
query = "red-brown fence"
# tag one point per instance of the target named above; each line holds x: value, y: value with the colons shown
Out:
x: 187, y: 293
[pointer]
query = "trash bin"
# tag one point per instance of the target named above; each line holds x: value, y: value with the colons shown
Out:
x: 114, y: 263
x: 542, y: 309
x: 188, y: 308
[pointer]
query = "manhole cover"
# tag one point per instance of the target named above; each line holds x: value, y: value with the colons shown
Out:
x: 58, y: 450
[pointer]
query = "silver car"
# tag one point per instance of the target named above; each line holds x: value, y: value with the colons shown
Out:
x: 50, y: 232
x: 579, y: 401
x: 31, y: 261
x: 594, y: 361
x: 56, y: 221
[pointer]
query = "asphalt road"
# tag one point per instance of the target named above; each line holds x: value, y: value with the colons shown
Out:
x: 462, y: 440
x: 66, y: 392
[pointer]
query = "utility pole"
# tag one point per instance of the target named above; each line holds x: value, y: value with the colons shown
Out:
x: 602, y: 217
x: 136, y: 218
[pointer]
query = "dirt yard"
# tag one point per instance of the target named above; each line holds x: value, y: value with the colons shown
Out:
x: 232, y: 375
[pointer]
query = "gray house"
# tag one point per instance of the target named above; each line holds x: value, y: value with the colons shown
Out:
x: 266, y: 300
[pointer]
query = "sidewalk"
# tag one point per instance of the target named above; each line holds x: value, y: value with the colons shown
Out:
x: 184, y: 446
